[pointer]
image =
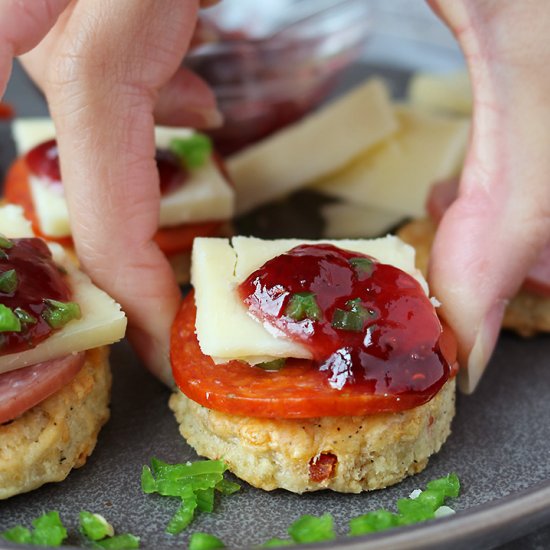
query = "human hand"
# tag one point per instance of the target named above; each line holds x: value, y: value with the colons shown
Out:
x: 108, y: 68
x: 493, y: 232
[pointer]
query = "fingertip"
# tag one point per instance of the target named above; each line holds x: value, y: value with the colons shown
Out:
x: 478, y: 357
x: 154, y: 353
x: 187, y: 100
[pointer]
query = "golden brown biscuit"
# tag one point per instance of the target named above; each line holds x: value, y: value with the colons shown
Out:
x: 527, y: 313
x: 59, y: 434
x: 369, y: 452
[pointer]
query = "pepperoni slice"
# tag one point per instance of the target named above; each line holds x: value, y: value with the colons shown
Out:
x: 171, y: 240
x: 296, y: 391
x: 22, y: 389
x: 6, y: 111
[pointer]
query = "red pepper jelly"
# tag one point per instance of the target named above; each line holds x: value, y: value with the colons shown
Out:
x: 37, y: 279
x: 365, y: 323
x: 43, y: 162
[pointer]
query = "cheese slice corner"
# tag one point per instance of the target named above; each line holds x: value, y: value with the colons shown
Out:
x: 13, y: 223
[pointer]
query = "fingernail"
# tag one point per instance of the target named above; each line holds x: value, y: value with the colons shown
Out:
x: 211, y: 118
x: 153, y: 353
x: 483, y: 347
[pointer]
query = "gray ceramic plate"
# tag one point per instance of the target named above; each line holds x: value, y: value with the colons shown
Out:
x: 500, y: 448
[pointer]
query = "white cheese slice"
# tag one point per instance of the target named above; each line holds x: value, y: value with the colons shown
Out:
x: 50, y: 207
x: 30, y: 132
x: 355, y: 221
x: 224, y: 328
x: 13, y: 222
x: 397, y: 175
x: 206, y: 195
x: 318, y: 145
x: 102, y: 320
x: 442, y: 92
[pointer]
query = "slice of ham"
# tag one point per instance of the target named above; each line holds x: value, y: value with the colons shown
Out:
x: 443, y: 194
x: 22, y: 389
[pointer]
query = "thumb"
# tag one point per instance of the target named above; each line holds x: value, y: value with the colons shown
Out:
x: 494, y: 231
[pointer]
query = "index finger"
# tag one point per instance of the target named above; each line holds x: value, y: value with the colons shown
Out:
x: 109, y: 62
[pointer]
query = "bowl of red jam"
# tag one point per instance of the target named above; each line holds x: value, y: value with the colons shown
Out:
x: 269, y: 63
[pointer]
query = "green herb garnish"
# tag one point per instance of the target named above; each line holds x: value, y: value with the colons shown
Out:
x: 25, y: 317
x: 312, y: 529
x: 5, y: 242
x: 102, y: 534
x: 303, y: 305
x: 58, y: 314
x: 125, y: 541
x: 353, y: 318
x: 410, y: 510
x: 204, y: 541
x: 47, y: 531
x: 362, y: 265
x: 8, y: 281
x: 276, y: 364
x: 379, y: 520
x: 95, y: 526
x: 193, y: 483
x: 193, y: 151
x: 9, y: 322
x: 275, y: 542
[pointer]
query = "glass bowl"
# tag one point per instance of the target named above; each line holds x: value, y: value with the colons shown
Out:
x: 271, y: 64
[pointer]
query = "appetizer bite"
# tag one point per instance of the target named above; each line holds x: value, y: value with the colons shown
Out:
x: 55, y: 379
x: 197, y: 198
x: 312, y: 365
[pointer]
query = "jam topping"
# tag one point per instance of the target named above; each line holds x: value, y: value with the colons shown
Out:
x: 43, y: 162
x: 34, y: 293
x: 366, y: 324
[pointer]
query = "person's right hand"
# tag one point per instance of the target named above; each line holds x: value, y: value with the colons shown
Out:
x: 108, y: 68
x: 494, y: 231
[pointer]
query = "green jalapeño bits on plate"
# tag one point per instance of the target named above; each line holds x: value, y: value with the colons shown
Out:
x: 379, y: 520
x: 353, y: 318
x: 47, y: 531
x: 8, y: 281
x: 276, y: 543
x: 193, y: 151
x: 420, y: 506
x: 276, y: 364
x: 102, y: 534
x: 193, y: 483
x: 303, y: 305
x: 24, y: 316
x: 58, y: 314
x: 204, y: 541
x: 95, y: 526
x: 9, y: 322
x: 5, y: 242
x: 312, y: 529
x: 126, y: 541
